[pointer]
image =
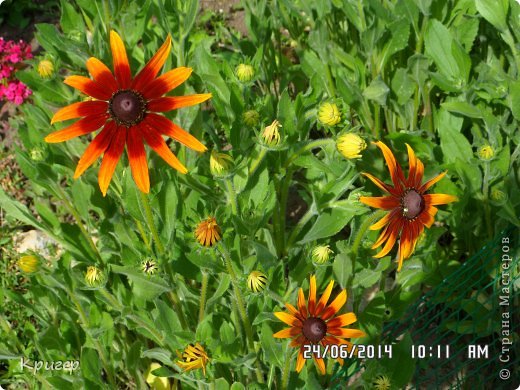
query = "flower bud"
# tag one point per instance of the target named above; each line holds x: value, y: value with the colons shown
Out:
x: 29, y: 264
x: 271, y: 134
x: 256, y: 281
x: 497, y: 195
x: 45, y: 68
x: 149, y: 266
x: 245, y: 72
x: 156, y: 382
x: 251, y: 118
x: 329, y: 114
x: 485, y: 152
x: 219, y: 163
x: 350, y: 145
x: 208, y: 232
x: 94, y: 277
x: 382, y: 382
x: 321, y: 254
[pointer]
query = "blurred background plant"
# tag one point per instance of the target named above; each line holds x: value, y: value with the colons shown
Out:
x: 439, y: 75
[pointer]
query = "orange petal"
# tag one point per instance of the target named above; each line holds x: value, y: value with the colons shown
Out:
x: 320, y: 364
x: 312, y: 295
x: 101, y: 74
x: 412, y: 163
x: 301, y: 303
x: 427, y: 217
x: 324, y: 298
x: 120, y: 60
x: 382, y: 237
x: 436, y: 199
x: 383, y: 221
x: 335, y: 305
x: 396, y: 173
x: 110, y: 159
x: 348, y: 333
x: 292, y: 309
x: 80, y: 109
x: 167, y: 127
x: 137, y: 157
x: 156, y: 142
x: 301, y: 361
x: 431, y: 182
x: 287, y: 333
x: 419, y: 174
x: 81, y: 127
x: 150, y: 70
x: 383, y: 202
x: 342, y: 320
x: 165, y: 83
x: 287, y: 318
x: 297, y: 341
x: 89, y: 87
x: 392, y: 237
x: 96, y: 148
x: 380, y: 184
x: 169, y: 103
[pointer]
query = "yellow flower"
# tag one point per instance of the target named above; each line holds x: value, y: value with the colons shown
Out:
x: 156, y: 382
x: 28, y: 264
x: 245, y: 72
x: 45, y: 68
x: 251, y: 118
x: 149, y: 266
x: 329, y: 114
x: 193, y: 357
x: 382, y: 382
x: 93, y: 276
x: 321, y: 254
x: 271, y: 134
x: 350, y: 145
x: 256, y: 281
x: 485, y: 152
x: 219, y: 163
x: 208, y: 232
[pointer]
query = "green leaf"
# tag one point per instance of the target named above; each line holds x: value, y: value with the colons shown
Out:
x: 90, y: 364
x: 162, y: 355
x: 272, y: 350
x: 438, y: 45
x: 453, y: 144
x: 494, y: 11
x: 342, y: 268
x: 70, y: 20
x: 153, y: 284
x: 190, y: 16
x: 514, y: 99
x: 401, y: 366
x: 462, y: 108
x: 328, y: 223
x: 377, y: 91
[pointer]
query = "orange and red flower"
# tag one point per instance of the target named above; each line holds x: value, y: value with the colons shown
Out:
x: 125, y: 108
x: 317, y: 323
x: 410, y: 208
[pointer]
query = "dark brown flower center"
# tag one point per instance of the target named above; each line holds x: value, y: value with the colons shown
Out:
x: 127, y: 107
x: 412, y: 203
x: 314, y: 329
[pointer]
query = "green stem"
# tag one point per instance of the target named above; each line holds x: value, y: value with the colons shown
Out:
x: 319, y: 143
x: 282, y: 210
x: 257, y: 161
x: 232, y: 195
x: 143, y: 234
x: 286, y: 369
x: 377, y: 121
x: 203, y: 293
x: 242, y: 309
x: 299, y: 226
x: 151, y: 224
x: 178, y: 308
x: 485, y: 193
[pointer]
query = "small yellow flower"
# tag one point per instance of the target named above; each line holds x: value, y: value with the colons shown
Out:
x: 208, y: 232
x: 45, y: 68
x: 93, y: 276
x: 382, y: 382
x: 271, y: 134
x: 256, y: 281
x: 219, y: 163
x: 245, y: 72
x: 485, y: 152
x: 156, y: 382
x: 28, y: 264
x: 350, y: 145
x: 149, y: 266
x: 193, y: 357
x: 329, y: 114
x: 251, y: 118
x: 321, y: 254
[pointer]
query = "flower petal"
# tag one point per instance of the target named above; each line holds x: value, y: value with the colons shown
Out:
x: 292, y: 309
x: 81, y: 127
x: 392, y: 237
x: 101, y: 74
x: 96, y: 148
x: 296, y: 342
x: 427, y: 217
x: 383, y: 202
x: 312, y: 295
x: 342, y: 320
x: 385, y: 187
x: 324, y: 298
x: 301, y: 303
x: 154, y: 65
x: 335, y: 305
x: 110, y: 159
x: 431, y: 182
x: 348, y: 333
x: 156, y: 142
x: 167, y: 127
x: 396, y: 173
x: 383, y: 221
x: 287, y: 318
x: 436, y: 199
x: 300, y: 361
x: 80, y: 109
x: 169, y: 103
x: 88, y: 87
x: 165, y: 83
x: 120, y: 60
x: 287, y: 333
x: 137, y: 158
x: 320, y: 364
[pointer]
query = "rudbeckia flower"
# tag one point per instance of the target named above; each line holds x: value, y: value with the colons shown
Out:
x: 193, y: 357
x: 410, y: 208
x: 317, y: 323
x: 125, y: 109
x: 208, y: 232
